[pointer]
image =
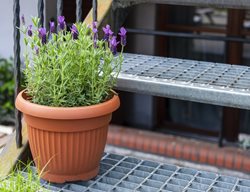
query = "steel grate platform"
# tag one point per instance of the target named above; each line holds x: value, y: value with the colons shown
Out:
x: 205, y: 82
x: 124, y: 174
x: 236, y: 4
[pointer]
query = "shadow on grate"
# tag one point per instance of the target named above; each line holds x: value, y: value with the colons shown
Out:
x: 124, y: 174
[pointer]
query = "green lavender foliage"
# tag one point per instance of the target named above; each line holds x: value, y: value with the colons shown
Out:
x: 68, y: 72
x: 18, y: 181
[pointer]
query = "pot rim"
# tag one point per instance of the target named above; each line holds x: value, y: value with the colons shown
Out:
x: 49, y: 112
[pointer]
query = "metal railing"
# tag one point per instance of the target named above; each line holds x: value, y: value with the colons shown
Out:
x: 17, y: 73
x: 17, y: 60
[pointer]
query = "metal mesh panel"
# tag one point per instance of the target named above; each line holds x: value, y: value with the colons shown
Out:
x: 214, y: 83
x: 188, y: 71
x: 123, y: 174
x: 236, y: 4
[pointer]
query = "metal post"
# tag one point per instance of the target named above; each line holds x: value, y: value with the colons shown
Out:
x: 17, y: 74
x: 94, y: 10
x: 221, y: 136
x: 78, y: 10
x: 40, y: 11
x: 59, y: 7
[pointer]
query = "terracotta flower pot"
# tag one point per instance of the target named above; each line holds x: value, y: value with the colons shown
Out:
x: 68, y: 142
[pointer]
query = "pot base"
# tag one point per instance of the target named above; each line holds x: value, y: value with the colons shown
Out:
x: 55, y: 178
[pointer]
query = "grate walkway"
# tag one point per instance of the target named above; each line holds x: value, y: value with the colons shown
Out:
x: 124, y: 174
x: 205, y: 82
x: 236, y: 4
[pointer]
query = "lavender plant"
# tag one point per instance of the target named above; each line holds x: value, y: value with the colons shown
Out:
x: 71, y: 68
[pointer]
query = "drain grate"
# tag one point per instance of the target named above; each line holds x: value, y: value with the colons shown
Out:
x: 207, y: 82
x: 124, y: 174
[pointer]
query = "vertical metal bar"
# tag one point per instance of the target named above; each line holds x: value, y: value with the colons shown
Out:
x: 221, y: 136
x: 78, y: 10
x: 59, y: 7
x: 234, y: 55
x: 41, y: 11
x: 17, y: 74
x: 94, y: 10
x: 116, y: 20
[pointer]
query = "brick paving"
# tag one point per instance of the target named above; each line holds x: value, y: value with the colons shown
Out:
x: 180, y: 148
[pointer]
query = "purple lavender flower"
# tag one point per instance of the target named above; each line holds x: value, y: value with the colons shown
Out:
x: 29, y: 32
x: 94, y: 24
x: 61, y: 22
x: 95, y: 33
x: 95, y: 37
x: 113, y: 45
x: 94, y: 27
x: 107, y: 32
x: 122, y: 34
x: 74, y: 32
x: 36, y: 50
x: 42, y: 34
x: 52, y: 27
x: 23, y: 19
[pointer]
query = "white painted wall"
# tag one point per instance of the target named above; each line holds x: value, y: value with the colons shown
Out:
x: 28, y: 8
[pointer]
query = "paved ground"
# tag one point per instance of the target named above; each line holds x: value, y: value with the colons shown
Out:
x: 162, y: 159
x: 5, y: 135
x: 183, y: 148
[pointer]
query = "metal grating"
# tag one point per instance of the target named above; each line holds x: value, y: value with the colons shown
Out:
x: 235, y: 4
x: 206, y: 82
x: 124, y: 174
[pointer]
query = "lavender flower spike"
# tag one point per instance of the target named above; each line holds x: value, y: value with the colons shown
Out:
x: 52, y: 27
x: 36, y: 50
x: 42, y: 34
x: 95, y: 37
x: 74, y: 32
x: 23, y: 19
x: 29, y: 32
x: 95, y: 33
x: 113, y: 45
x: 122, y: 34
x: 107, y: 32
x: 94, y: 24
x: 61, y: 22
